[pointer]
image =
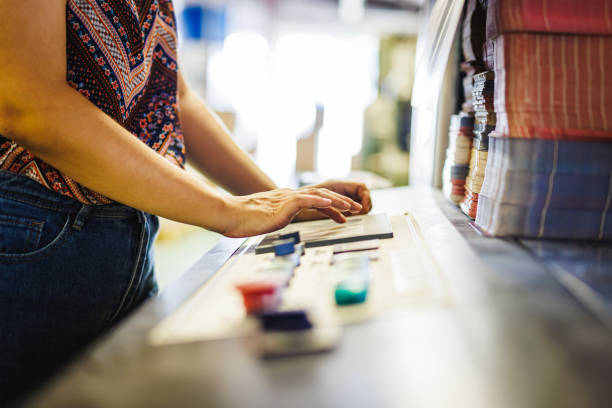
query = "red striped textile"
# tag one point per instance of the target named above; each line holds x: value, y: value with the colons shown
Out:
x: 553, y: 86
x: 551, y: 16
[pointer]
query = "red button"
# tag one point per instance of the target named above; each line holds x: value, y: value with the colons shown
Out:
x: 258, y: 288
x: 259, y: 296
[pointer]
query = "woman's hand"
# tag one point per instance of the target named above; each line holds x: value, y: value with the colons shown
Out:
x: 357, y: 192
x: 271, y: 210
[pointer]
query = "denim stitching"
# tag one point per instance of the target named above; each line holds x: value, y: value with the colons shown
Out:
x: 134, y: 271
x: 31, y: 228
x: 146, y: 232
x: 39, y: 225
x: 41, y: 252
x: 26, y: 199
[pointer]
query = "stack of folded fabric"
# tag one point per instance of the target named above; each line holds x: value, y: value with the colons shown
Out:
x: 553, y: 86
x: 474, y: 30
x: 547, y: 188
x: 459, y: 150
x: 469, y: 68
x: 485, y: 117
x: 544, y: 16
x: 458, y: 156
x: 549, y: 167
x: 485, y: 120
x: 474, y: 25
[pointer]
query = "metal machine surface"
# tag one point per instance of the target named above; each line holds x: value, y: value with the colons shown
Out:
x: 453, y: 319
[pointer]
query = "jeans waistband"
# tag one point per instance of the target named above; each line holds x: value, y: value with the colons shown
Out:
x: 21, y: 188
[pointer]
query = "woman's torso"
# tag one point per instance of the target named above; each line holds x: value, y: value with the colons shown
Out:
x: 121, y: 55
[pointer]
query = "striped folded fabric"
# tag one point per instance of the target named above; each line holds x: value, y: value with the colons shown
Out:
x: 546, y: 156
x: 547, y: 189
x: 553, y: 86
x: 499, y: 219
x: 541, y: 161
x: 550, y: 16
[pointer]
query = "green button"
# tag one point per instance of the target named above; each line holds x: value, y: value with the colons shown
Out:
x: 351, y: 291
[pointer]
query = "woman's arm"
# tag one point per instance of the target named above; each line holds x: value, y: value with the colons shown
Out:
x: 211, y: 149
x: 42, y: 113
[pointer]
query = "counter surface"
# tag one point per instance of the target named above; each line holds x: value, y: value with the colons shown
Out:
x: 511, y: 335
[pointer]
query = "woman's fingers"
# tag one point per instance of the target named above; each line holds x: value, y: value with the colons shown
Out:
x: 338, y: 204
x: 311, y: 201
x: 364, y: 197
x: 333, y: 214
x: 357, y: 191
x: 326, y: 202
x: 339, y: 201
x: 268, y: 211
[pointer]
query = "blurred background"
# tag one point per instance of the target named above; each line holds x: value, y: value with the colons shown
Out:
x: 312, y: 89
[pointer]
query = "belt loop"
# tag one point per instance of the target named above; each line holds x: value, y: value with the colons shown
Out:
x: 81, y: 217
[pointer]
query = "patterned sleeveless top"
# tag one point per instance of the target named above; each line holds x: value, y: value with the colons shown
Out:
x: 122, y: 57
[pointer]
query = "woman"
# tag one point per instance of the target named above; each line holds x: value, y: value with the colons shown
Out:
x: 93, y: 113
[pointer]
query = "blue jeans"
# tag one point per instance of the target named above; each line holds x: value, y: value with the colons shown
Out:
x: 68, y: 272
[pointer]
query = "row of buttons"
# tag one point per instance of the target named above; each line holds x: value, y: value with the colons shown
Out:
x: 297, y: 330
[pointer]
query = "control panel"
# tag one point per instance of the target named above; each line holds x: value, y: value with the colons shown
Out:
x: 295, y: 298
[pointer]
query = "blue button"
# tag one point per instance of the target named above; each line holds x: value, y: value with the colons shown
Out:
x: 284, y: 247
x: 292, y: 320
x: 292, y: 235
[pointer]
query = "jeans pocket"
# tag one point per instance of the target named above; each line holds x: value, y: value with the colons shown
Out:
x: 28, y: 231
x: 18, y: 234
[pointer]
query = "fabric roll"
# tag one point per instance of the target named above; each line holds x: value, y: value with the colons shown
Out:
x: 458, y: 153
x: 473, y: 183
x: 478, y: 163
x: 484, y: 123
x: 549, y: 16
x: 469, y: 204
x: 481, y: 136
